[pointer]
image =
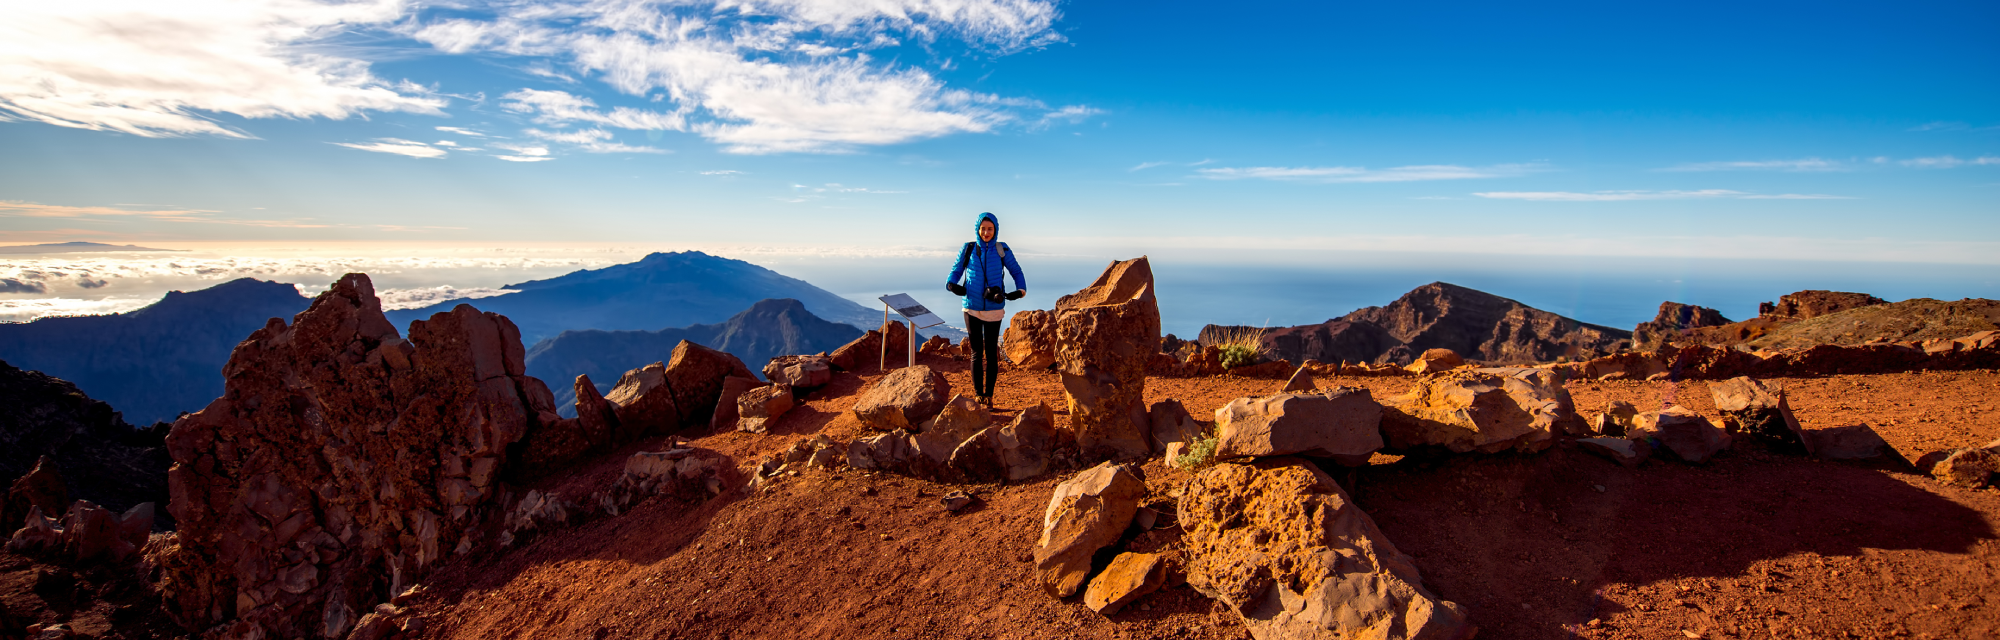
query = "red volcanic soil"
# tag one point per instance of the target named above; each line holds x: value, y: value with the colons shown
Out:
x: 1556, y: 545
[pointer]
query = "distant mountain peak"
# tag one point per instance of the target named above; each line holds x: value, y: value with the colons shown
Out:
x: 73, y: 247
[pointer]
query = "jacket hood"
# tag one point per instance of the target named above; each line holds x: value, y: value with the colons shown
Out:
x: 982, y: 218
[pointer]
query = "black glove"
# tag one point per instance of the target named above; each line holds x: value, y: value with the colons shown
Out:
x: 955, y: 288
x: 1016, y: 294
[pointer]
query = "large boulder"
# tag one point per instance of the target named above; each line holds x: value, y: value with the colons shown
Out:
x: 560, y: 443
x: 1757, y: 409
x: 756, y: 408
x: 1170, y: 423
x: 1344, y: 423
x: 937, y: 438
x: 1682, y: 432
x: 1853, y: 443
x: 1484, y: 410
x: 1130, y: 576
x: 800, y: 372
x: 1105, y: 335
x: 341, y: 462
x: 1435, y: 360
x: 1017, y: 451
x: 726, y: 410
x: 1672, y: 321
x: 1030, y: 340
x: 1285, y: 547
x: 1969, y: 468
x: 1088, y: 512
x: 697, y: 375
x: 903, y: 399
x: 87, y: 533
x: 868, y: 353
x: 643, y: 403
x: 1615, y: 419
x: 42, y: 487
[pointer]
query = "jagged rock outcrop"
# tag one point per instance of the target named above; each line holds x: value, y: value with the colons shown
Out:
x: 1699, y: 362
x: 1758, y: 410
x: 726, y: 411
x: 1917, y: 320
x: 903, y: 399
x: 155, y: 362
x: 1334, y: 341
x: 1681, y: 432
x: 1484, y: 326
x: 1105, y: 336
x: 1813, y: 303
x: 102, y: 459
x: 1615, y: 419
x: 1344, y: 424
x: 1021, y: 449
x: 1030, y: 340
x: 1088, y: 512
x: 341, y: 461
x: 1673, y: 319
x: 1285, y: 547
x: 1484, y: 410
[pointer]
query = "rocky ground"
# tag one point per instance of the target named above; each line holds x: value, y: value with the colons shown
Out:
x: 1554, y: 545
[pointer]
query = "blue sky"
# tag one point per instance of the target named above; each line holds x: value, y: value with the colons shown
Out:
x: 1808, y: 131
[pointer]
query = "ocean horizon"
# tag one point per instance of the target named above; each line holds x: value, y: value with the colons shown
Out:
x: 1194, y: 288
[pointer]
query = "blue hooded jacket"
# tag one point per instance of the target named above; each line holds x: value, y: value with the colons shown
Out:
x: 981, y: 263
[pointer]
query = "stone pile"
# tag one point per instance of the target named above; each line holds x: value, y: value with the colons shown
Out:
x: 87, y: 533
x: 802, y: 373
x: 1087, y: 513
x: 1106, y: 334
x: 756, y: 408
x: 1699, y: 362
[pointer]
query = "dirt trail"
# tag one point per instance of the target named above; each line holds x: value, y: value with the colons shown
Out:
x: 1751, y: 545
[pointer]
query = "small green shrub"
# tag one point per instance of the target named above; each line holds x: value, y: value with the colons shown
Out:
x: 1241, y: 346
x: 1200, y: 456
x: 1236, y: 355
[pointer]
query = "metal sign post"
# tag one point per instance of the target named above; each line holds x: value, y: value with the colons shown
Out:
x: 918, y: 316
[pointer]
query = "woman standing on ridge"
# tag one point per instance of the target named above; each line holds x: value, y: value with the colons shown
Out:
x: 981, y: 262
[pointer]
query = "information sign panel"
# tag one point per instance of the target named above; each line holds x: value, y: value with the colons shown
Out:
x: 908, y: 307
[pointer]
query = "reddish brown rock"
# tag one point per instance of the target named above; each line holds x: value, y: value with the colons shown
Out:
x: 1615, y: 419
x: 1105, y: 334
x: 938, y: 346
x: 800, y: 372
x: 904, y: 399
x: 1172, y: 423
x: 1129, y: 577
x: 1088, y: 512
x: 1344, y: 424
x: 643, y: 403
x: 867, y: 353
x: 1017, y: 451
x: 42, y: 487
x: 682, y: 393
x: 1435, y: 360
x: 1485, y: 410
x: 1281, y: 544
x: 340, y: 460
x: 1681, y: 432
x: 1030, y: 339
x: 756, y: 408
x: 86, y: 533
x: 1969, y: 468
x: 1814, y: 303
x: 1758, y: 410
x: 1301, y: 381
x: 1629, y: 453
x: 726, y: 411
x: 1672, y: 322
x: 937, y: 439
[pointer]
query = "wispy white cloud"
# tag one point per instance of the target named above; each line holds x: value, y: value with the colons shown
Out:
x: 1148, y: 165
x: 1621, y: 196
x: 722, y: 172
x: 1072, y: 114
x: 590, y: 140
x: 166, y: 68
x: 462, y: 131
x: 1947, y: 162
x: 1803, y: 164
x: 419, y: 297
x: 1412, y: 173
x: 1941, y: 126
x: 524, y: 152
x: 397, y: 146
x: 560, y: 107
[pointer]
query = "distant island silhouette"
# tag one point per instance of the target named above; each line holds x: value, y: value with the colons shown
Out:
x: 74, y: 247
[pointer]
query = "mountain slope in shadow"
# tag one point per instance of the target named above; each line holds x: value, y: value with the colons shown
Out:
x: 661, y: 290
x: 767, y: 329
x: 157, y: 361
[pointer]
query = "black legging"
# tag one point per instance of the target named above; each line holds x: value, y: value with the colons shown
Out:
x: 985, y: 354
